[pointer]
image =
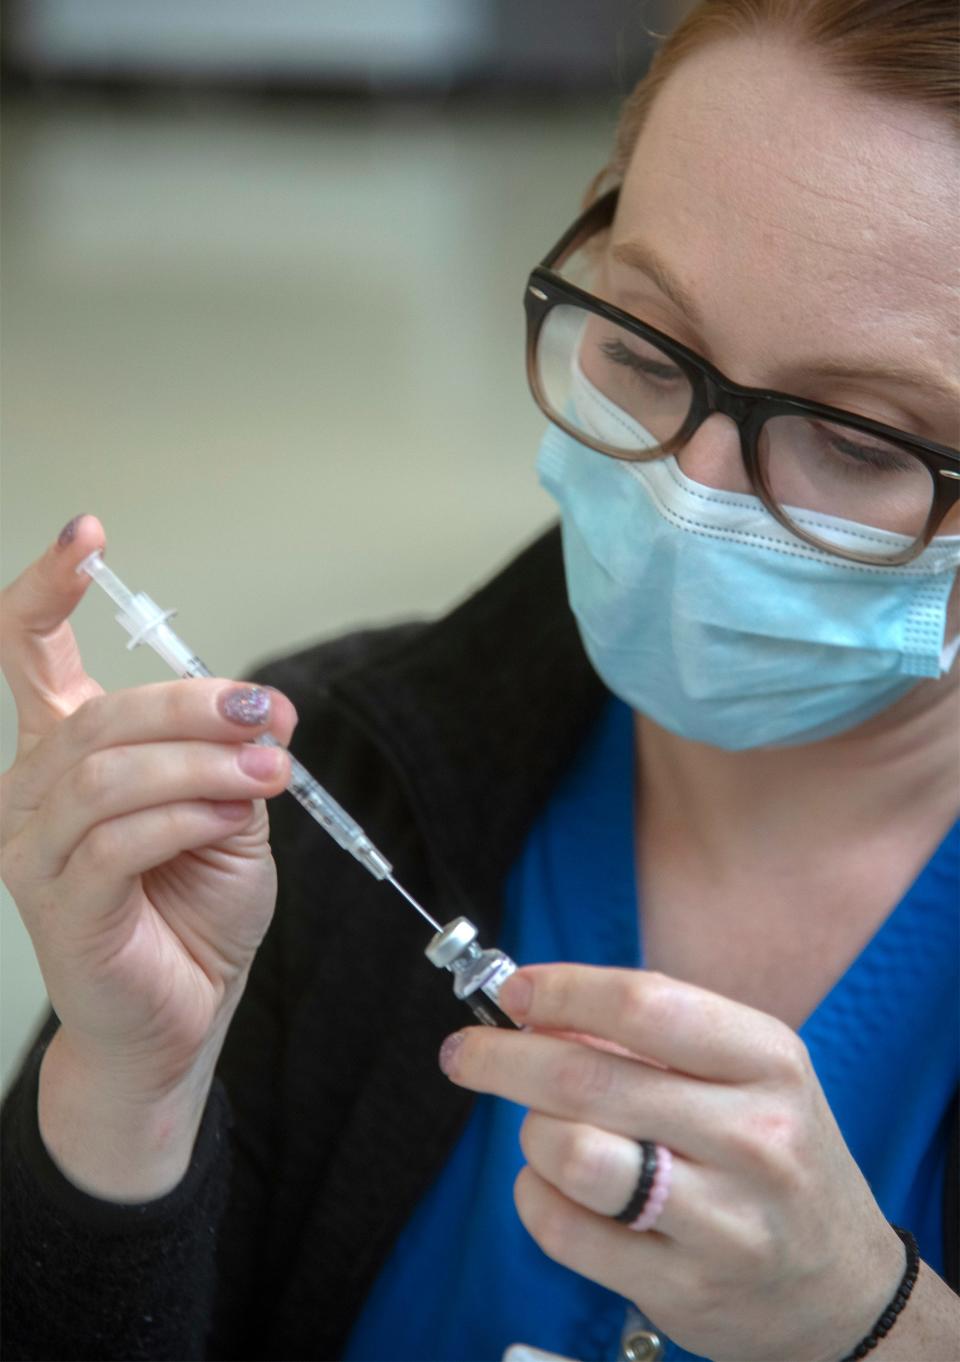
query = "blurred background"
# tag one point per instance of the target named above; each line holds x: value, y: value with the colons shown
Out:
x: 262, y: 272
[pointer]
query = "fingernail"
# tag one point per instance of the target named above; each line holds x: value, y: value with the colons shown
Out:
x: 262, y: 763
x: 448, y: 1051
x: 515, y: 995
x: 245, y: 705
x: 68, y: 533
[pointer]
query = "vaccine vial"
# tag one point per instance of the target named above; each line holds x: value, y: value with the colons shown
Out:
x: 478, y: 974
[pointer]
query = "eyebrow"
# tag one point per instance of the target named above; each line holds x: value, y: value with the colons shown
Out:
x: 641, y: 257
x: 896, y: 373
x: 644, y: 258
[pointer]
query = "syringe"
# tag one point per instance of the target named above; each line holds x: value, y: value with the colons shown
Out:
x: 477, y: 974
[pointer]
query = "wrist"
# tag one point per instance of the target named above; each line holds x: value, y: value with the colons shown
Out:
x: 928, y: 1328
x: 116, y: 1141
x: 900, y: 1280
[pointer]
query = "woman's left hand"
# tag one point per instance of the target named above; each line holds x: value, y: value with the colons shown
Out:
x: 770, y: 1245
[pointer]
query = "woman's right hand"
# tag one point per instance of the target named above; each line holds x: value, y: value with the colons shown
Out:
x: 135, y: 847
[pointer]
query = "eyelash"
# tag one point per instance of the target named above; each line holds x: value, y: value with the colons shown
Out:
x: 872, y: 457
x: 859, y: 457
x: 619, y: 353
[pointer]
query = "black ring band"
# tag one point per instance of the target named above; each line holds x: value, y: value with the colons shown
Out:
x: 641, y: 1193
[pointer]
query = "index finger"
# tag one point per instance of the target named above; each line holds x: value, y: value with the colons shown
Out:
x: 40, y: 657
x: 666, y: 1020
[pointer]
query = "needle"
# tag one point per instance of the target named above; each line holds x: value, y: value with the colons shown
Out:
x: 413, y: 902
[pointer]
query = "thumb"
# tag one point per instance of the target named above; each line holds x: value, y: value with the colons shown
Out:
x: 38, y: 649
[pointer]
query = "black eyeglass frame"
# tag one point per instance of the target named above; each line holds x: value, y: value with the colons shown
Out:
x: 712, y: 391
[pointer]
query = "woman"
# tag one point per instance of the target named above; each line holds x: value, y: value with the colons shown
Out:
x: 746, y: 357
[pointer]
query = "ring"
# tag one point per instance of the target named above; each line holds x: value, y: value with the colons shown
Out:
x: 653, y: 1187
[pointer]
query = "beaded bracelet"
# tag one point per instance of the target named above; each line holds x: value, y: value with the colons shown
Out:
x: 889, y: 1317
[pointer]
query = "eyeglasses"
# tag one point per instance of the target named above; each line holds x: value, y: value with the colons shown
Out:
x: 862, y: 490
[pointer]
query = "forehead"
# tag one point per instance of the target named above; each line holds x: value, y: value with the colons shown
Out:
x: 792, y: 203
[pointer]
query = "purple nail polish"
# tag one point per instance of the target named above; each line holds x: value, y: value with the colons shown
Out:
x: 245, y: 705
x: 448, y: 1051
x: 68, y: 533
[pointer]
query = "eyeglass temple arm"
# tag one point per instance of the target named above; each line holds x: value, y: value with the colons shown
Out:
x: 594, y: 219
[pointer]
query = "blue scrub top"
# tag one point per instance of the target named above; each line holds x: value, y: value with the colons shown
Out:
x: 465, y: 1280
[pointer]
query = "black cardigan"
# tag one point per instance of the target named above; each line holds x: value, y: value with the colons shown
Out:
x: 330, y: 1116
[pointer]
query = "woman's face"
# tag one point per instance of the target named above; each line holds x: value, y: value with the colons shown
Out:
x: 801, y: 235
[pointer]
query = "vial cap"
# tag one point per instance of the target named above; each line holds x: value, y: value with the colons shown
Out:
x: 451, y: 942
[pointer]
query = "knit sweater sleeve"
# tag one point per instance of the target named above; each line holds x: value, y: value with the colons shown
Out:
x: 85, y: 1278
x: 180, y: 1277
x: 202, y: 1272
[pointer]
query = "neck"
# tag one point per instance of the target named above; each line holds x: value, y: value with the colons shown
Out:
x: 895, y: 775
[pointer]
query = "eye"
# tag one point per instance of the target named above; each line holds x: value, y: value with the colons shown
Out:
x: 648, y: 362
x: 858, y: 454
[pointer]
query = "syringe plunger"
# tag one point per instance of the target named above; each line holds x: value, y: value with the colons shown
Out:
x: 143, y: 619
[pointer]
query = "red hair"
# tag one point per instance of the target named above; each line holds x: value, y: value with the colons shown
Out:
x: 905, y: 49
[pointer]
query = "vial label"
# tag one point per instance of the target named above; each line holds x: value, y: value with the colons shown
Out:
x: 488, y: 1012
x: 493, y: 985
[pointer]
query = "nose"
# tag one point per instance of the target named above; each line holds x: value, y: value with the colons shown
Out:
x: 712, y: 456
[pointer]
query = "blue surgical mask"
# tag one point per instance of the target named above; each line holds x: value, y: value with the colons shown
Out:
x: 701, y: 611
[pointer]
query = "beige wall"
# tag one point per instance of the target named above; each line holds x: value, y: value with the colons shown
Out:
x: 280, y: 355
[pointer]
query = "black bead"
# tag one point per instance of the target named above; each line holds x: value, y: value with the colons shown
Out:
x: 641, y: 1193
x: 889, y: 1317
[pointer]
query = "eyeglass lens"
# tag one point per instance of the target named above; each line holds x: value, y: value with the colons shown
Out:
x: 838, y: 486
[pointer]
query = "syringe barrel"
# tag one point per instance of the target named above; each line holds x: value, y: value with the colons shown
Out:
x: 146, y: 622
x: 332, y: 817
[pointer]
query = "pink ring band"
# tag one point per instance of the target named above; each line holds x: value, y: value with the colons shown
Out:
x: 658, y: 1192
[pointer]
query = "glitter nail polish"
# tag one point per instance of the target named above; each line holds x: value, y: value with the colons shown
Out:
x: 248, y: 705
x: 448, y: 1050
x: 67, y: 534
